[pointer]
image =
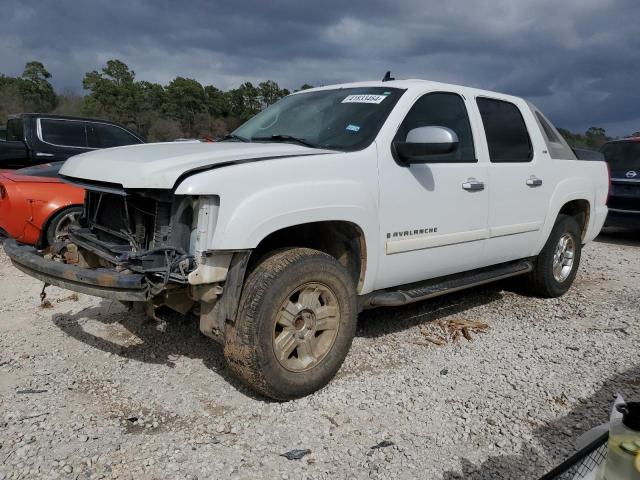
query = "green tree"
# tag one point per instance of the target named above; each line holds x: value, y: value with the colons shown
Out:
x: 595, y: 137
x: 269, y: 93
x: 217, y: 102
x: 37, y: 93
x: 245, y: 101
x: 185, y: 98
x: 113, y: 93
x: 10, y: 98
x: 149, y: 101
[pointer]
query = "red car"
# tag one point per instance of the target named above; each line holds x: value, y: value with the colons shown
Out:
x: 36, y: 207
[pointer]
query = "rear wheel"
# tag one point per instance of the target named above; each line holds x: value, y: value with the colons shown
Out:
x: 557, y: 264
x: 295, y: 324
x: 59, y: 224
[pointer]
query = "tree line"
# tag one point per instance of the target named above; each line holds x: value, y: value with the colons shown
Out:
x: 183, y: 108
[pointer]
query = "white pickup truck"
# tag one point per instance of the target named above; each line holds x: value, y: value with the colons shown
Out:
x: 333, y: 200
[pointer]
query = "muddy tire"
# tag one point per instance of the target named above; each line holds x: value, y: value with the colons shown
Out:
x: 295, y: 324
x: 556, y: 266
x: 59, y: 223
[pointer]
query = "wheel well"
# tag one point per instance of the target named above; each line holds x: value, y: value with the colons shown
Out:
x: 42, y: 240
x: 580, y: 210
x: 342, y: 240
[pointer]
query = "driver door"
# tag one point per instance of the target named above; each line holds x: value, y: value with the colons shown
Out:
x: 433, y: 215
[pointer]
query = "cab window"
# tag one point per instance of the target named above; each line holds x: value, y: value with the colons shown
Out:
x: 102, y: 135
x: 506, y: 132
x: 442, y: 109
x: 15, y: 130
x: 64, y: 133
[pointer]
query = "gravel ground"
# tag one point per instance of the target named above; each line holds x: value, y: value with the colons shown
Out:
x: 89, y: 391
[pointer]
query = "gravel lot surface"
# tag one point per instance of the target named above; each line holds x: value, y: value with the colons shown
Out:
x: 88, y: 390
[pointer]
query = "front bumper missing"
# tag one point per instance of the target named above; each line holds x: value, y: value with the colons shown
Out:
x: 100, y: 282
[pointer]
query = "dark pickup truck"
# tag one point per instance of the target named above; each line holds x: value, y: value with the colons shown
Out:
x: 623, y: 157
x: 35, y: 138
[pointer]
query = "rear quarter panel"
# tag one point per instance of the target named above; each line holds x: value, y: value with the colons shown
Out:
x: 577, y: 180
x: 29, y: 205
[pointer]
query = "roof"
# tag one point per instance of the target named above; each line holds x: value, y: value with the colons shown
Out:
x: 54, y: 116
x: 412, y: 83
x: 62, y: 117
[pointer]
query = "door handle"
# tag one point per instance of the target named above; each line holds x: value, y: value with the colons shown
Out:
x: 473, y: 185
x: 534, y: 181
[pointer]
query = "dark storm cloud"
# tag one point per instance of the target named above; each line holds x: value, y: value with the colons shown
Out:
x: 578, y: 60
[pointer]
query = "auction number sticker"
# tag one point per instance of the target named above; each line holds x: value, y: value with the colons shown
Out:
x: 364, y: 99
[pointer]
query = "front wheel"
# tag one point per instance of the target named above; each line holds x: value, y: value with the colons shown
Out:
x: 557, y: 264
x: 295, y: 324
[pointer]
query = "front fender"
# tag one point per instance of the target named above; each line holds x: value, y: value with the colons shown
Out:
x: 270, y: 210
x: 267, y: 211
x: 260, y: 198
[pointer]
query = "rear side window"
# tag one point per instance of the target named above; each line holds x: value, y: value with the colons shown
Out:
x: 64, y: 133
x: 15, y: 130
x: 442, y: 110
x: 101, y: 135
x: 506, y: 131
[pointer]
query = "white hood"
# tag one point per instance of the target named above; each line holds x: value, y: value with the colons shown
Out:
x: 159, y: 165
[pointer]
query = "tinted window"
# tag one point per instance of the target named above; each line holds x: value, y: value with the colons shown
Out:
x: 622, y: 155
x: 15, y: 132
x: 442, y: 110
x: 546, y: 128
x: 505, y: 130
x: 106, y: 136
x: 64, y: 133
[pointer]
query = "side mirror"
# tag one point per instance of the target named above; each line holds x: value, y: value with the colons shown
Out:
x: 422, y: 142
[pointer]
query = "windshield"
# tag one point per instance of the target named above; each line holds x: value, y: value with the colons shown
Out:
x: 622, y: 155
x: 345, y: 119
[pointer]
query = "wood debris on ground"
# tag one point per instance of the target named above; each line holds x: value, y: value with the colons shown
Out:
x: 452, y: 330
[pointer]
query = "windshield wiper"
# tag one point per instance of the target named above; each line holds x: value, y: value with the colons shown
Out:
x: 233, y: 136
x: 286, y: 138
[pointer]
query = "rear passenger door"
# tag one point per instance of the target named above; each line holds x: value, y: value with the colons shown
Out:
x: 519, y: 182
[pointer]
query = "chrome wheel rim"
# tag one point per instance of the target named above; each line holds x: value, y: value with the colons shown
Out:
x: 563, y: 258
x: 62, y: 228
x: 306, y: 327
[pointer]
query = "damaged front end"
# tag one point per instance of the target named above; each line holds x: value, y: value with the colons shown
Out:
x: 148, y: 233
x: 150, y: 247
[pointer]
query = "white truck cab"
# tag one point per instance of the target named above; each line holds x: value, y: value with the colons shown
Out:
x: 332, y: 200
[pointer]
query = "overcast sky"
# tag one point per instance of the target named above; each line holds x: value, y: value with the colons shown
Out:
x: 578, y: 60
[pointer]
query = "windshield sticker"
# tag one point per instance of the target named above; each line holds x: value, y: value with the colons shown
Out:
x: 353, y: 128
x: 364, y: 99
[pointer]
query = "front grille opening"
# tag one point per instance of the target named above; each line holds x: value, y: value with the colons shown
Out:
x: 141, y: 222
